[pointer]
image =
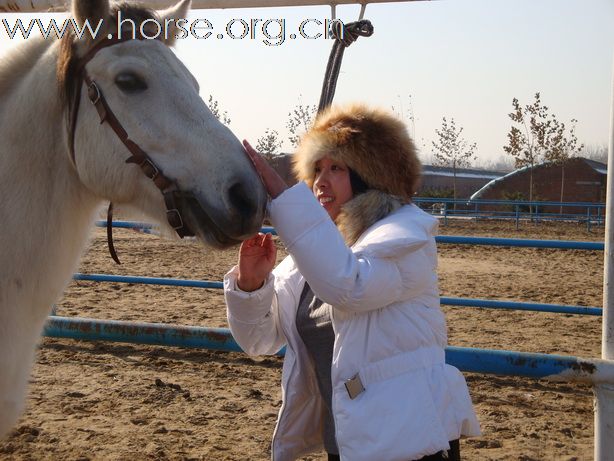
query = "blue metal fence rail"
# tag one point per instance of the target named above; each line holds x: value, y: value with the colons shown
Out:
x: 505, y: 209
x: 522, y: 306
x: 465, y: 302
x: 510, y: 363
x: 147, y: 280
x: 450, y: 239
x: 527, y: 243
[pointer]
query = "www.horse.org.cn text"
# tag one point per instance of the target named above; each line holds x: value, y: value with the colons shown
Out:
x: 271, y: 32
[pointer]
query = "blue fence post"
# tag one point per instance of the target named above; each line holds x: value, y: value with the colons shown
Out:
x: 588, y: 219
x: 517, y: 216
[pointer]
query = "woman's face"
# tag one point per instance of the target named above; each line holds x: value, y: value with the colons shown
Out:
x: 331, y: 185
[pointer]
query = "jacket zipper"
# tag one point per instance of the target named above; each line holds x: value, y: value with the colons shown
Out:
x: 334, y: 409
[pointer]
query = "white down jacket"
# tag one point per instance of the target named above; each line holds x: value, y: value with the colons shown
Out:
x: 388, y: 328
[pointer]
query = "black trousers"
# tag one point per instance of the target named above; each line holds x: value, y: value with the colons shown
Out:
x: 453, y: 454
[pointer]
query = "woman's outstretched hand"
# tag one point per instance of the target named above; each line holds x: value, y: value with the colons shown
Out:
x: 273, y: 183
x: 257, y: 257
x: 258, y: 254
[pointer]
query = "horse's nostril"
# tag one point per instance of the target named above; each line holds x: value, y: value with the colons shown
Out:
x: 240, y: 199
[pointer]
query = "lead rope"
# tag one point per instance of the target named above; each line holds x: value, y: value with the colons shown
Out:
x: 110, y: 234
x: 345, y: 35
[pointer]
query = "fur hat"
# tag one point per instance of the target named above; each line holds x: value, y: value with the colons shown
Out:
x: 376, y: 146
x: 372, y: 142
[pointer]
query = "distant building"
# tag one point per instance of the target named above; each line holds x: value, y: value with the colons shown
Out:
x: 585, y: 181
x: 438, y: 181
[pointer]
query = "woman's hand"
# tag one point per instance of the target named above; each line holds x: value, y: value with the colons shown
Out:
x: 257, y: 257
x: 273, y: 183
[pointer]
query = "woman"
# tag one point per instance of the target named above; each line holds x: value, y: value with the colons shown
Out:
x: 356, y: 303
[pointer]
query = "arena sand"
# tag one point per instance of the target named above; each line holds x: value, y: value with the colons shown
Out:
x: 111, y: 401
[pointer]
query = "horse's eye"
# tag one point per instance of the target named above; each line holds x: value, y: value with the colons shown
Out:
x: 130, y: 83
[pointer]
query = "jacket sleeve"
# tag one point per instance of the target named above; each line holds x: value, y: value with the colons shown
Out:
x: 253, y: 317
x: 366, y: 280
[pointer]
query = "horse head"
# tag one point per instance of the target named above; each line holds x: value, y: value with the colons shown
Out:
x: 127, y: 83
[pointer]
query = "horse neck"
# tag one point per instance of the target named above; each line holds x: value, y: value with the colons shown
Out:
x: 46, y: 212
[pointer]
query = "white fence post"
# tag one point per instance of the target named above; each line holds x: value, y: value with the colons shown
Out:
x: 604, y: 393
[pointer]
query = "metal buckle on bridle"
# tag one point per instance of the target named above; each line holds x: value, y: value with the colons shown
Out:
x: 94, y: 97
x: 174, y: 219
x: 149, y: 168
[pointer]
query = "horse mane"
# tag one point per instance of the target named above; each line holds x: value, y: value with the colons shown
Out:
x: 19, y: 62
x: 68, y: 58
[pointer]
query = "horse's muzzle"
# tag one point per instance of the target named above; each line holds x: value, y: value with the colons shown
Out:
x: 222, y: 228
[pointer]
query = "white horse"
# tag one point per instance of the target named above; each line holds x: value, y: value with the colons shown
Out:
x: 57, y: 168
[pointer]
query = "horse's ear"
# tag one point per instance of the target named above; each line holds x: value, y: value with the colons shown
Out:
x: 172, y: 15
x: 90, y: 10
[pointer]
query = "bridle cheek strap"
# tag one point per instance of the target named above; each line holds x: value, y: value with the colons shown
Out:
x: 169, y: 188
x: 139, y: 156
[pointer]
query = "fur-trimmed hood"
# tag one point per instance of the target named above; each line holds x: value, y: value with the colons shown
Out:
x: 364, y: 210
x: 376, y: 146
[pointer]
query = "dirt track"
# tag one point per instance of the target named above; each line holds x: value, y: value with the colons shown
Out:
x: 103, y: 401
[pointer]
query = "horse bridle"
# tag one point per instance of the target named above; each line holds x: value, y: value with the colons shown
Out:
x: 168, y: 187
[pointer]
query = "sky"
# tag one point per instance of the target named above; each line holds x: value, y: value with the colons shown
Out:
x: 461, y: 59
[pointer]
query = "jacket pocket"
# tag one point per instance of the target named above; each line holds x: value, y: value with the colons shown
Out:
x: 393, y: 419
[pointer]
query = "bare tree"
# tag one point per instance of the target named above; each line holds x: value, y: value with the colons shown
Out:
x: 299, y: 121
x: 269, y: 144
x: 452, y: 150
x: 214, y: 107
x: 406, y: 114
x: 563, y: 146
x: 529, y: 138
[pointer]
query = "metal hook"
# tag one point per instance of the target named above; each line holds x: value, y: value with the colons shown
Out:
x: 363, y: 7
x: 333, y: 11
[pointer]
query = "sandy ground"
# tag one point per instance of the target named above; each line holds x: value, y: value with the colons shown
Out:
x: 99, y: 401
